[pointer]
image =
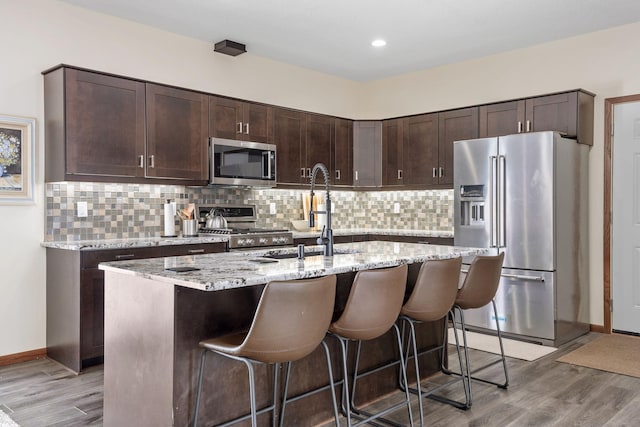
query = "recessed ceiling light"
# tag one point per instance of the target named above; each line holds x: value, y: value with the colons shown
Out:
x: 378, y: 43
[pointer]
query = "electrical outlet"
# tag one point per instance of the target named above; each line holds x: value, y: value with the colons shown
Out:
x: 82, y: 209
x: 396, y: 207
x: 272, y: 208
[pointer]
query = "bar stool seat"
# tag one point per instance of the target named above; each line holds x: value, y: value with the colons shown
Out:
x: 290, y: 322
x: 371, y: 310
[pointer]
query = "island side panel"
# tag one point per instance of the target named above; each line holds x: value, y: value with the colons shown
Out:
x: 138, y: 356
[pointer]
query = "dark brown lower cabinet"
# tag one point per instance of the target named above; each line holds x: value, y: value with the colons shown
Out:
x: 75, y: 298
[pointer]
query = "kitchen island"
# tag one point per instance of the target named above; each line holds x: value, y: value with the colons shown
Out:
x: 154, y: 319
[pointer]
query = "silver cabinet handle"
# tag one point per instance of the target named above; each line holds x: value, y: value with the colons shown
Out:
x: 152, y: 161
x: 196, y: 251
x: 440, y: 172
x: 356, y: 175
x: 239, y: 127
x: 337, y: 174
x: 308, y: 172
x: 124, y: 256
x: 141, y: 161
x: 519, y: 127
x: 303, y: 173
x: 434, y: 173
x: 246, y: 128
x: 528, y: 125
x: 399, y: 173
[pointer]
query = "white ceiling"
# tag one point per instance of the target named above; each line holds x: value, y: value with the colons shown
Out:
x: 334, y: 36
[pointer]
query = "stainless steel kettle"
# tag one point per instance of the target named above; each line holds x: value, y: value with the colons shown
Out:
x: 215, y: 219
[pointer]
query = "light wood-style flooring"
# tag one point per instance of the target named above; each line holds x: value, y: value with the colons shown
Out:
x: 541, y: 393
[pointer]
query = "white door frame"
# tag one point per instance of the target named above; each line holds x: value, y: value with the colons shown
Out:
x: 609, y: 103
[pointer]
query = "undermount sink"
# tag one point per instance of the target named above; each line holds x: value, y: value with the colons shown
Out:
x: 288, y: 255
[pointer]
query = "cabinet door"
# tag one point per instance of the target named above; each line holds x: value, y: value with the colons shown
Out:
x: 257, y: 122
x: 289, y: 134
x: 392, y: 168
x: 367, y: 158
x: 420, y: 150
x: 104, y: 125
x: 319, y: 138
x: 453, y: 126
x: 553, y: 112
x: 342, y: 156
x: 505, y: 118
x: 225, y: 118
x: 177, y: 133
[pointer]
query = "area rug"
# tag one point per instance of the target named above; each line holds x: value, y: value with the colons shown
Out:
x: 613, y: 353
x: 512, y: 348
x: 5, y: 421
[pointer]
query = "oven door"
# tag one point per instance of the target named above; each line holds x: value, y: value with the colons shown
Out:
x: 242, y: 163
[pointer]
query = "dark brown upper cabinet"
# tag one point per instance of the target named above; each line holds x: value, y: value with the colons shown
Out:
x: 420, y: 150
x: 177, y: 133
x: 244, y: 121
x: 500, y: 119
x: 95, y: 126
x: 101, y: 127
x: 318, y: 143
x: 569, y: 112
x: 289, y: 133
x: 302, y: 140
x: 454, y: 125
x: 392, y: 148
x: 342, y: 153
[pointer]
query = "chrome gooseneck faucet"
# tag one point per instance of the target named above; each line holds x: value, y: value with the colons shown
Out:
x: 326, y: 238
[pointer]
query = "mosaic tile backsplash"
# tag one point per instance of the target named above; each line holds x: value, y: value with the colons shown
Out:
x: 136, y: 210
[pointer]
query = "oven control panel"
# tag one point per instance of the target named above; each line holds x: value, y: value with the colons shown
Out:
x: 260, y: 240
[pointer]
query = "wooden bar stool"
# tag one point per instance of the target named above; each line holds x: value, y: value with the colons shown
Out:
x: 431, y: 300
x: 479, y: 289
x: 290, y: 322
x: 371, y: 310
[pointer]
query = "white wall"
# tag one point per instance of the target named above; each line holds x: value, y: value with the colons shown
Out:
x: 38, y: 34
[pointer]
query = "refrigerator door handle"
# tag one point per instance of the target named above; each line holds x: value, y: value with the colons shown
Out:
x: 513, y: 276
x: 502, y: 165
x: 523, y: 277
x: 493, y: 224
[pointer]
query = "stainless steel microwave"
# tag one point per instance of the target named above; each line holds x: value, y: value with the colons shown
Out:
x: 242, y: 163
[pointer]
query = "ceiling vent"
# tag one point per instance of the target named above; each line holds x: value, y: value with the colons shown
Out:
x: 230, y: 48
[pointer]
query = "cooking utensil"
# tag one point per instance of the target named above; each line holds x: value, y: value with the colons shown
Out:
x: 216, y: 220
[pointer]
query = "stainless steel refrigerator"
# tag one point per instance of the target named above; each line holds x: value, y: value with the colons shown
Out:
x: 527, y: 195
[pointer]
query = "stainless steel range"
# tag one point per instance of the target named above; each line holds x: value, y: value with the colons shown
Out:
x: 241, y: 227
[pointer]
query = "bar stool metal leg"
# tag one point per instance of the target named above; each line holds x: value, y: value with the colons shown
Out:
x: 367, y: 417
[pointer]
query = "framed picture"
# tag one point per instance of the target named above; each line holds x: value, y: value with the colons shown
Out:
x: 17, y: 145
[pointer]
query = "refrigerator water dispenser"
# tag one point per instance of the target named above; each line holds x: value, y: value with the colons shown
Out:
x: 472, y: 200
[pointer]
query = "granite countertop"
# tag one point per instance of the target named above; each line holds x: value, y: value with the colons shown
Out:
x: 132, y: 243
x: 239, y: 269
x: 76, y: 245
x: 383, y: 231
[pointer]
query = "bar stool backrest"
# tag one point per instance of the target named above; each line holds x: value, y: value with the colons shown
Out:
x: 435, y: 290
x: 374, y: 303
x: 291, y: 320
x: 481, y: 283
